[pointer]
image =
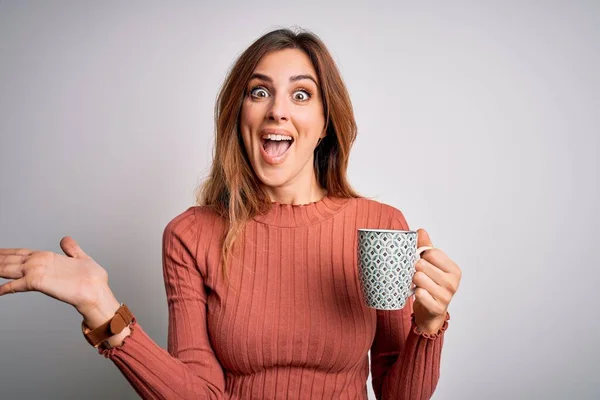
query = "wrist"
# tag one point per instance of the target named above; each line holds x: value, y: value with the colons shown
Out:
x: 432, y: 326
x: 101, y: 310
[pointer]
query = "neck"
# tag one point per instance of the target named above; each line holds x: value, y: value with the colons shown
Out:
x: 292, y: 194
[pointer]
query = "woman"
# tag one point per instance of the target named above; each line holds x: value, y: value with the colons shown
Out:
x: 261, y: 278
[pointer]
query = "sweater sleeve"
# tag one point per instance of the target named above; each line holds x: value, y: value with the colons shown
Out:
x: 405, y: 363
x: 189, y: 369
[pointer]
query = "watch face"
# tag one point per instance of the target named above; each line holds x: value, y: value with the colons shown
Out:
x: 117, y: 324
x: 121, y: 319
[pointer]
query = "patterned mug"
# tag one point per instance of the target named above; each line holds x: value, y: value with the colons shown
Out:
x: 386, y: 265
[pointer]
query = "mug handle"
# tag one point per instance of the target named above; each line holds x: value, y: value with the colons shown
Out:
x: 420, y: 250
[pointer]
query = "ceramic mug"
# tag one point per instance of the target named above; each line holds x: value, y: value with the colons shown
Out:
x: 386, y: 265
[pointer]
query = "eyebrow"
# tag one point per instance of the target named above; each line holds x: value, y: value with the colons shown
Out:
x: 292, y: 78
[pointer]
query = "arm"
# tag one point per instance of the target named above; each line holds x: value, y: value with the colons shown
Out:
x: 190, y: 369
x: 405, y: 363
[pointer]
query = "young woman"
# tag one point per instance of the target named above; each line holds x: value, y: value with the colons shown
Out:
x: 261, y: 277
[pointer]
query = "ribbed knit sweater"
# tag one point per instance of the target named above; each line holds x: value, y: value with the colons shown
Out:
x: 291, y: 324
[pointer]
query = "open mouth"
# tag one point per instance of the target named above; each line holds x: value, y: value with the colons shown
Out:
x: 276, y: 145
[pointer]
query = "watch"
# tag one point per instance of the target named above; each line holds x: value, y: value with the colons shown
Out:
x: 113, y: 326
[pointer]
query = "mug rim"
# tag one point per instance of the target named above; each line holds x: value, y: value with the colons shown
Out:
x: 387, y: 230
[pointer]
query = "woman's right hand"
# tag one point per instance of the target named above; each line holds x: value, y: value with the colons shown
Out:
x: 75, y: 279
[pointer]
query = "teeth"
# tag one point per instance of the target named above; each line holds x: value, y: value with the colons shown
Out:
x: 271, y: 136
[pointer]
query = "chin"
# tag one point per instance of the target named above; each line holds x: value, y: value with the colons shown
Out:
x: 274, y: 179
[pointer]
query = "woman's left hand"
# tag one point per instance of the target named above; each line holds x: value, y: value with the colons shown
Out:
x: 437, y: 278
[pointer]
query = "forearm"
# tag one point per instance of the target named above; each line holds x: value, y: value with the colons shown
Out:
x: 415, y: 373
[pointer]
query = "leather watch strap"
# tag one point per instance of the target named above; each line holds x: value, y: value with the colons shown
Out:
x: 113, y: 326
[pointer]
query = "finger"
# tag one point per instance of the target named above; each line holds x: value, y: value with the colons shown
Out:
x: 436, y: 274
x: 13, y: 258
x: 435, y: 256
x: 15, y: 286
x: 438, y: 292
x: 428, y: 301
x: 11, y: 267
x: 19, y: 252
x: 70, y: 247
x: 423, y: 239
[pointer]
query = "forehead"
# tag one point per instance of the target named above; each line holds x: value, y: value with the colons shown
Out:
x: 282, y: 64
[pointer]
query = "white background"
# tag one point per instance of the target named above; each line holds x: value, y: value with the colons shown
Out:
x: 479, y: 120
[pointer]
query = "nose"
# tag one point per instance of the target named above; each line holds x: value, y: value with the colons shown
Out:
x: 279, y: 110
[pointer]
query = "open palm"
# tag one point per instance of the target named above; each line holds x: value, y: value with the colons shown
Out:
x: 73, y: 278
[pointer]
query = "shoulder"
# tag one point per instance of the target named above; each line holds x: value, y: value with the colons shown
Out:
x: 189, y: 222
x: 381, y: 215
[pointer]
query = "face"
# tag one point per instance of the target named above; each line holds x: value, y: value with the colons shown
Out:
x: 282, y: 119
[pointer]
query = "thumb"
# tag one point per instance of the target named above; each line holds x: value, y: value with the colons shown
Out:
x: 423, y: 238
x: 70, y: 247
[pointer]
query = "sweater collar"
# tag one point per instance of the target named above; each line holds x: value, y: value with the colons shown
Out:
x: 294, y: 215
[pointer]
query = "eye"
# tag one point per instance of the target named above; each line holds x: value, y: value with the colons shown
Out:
x: 259, y: 92
x: 301, y: 95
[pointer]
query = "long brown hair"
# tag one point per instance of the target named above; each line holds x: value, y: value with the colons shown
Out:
x: 232, y: 189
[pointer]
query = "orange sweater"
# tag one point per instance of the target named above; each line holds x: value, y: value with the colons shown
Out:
x: 292, y: 325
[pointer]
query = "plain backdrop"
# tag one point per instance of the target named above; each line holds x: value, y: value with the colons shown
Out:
x: 478, y: 119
